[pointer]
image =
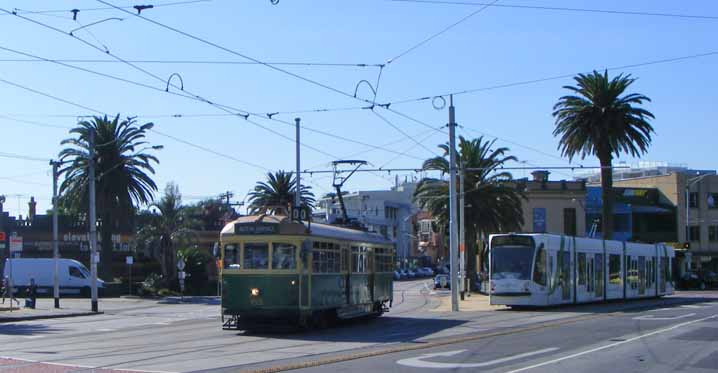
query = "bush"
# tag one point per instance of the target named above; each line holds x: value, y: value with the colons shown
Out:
x: 151, y: 285
x: 196, y: 260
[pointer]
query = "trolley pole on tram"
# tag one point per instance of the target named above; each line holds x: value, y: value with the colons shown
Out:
x: 298, y: 193
x: 453, y: 237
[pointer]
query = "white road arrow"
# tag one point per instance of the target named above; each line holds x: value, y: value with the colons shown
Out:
x: 651, y: 317
x: 419, y: 361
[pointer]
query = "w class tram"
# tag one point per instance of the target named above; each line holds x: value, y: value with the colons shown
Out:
x: 279, y: 272
x: 547, y: 270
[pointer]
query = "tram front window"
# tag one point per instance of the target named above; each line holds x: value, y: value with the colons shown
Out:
x: 283, y: 256
x: 511, y: 257
x: 256, y: 256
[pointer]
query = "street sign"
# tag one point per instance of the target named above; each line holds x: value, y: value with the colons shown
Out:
x: 15, y: 244
x: 129, y: 260
x: 180, y: 264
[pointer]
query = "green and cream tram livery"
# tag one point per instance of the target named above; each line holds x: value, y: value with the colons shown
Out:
x: 544, y: 270
x: 277, y: 271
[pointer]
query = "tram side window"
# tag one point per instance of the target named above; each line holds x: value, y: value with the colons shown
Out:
x: 284, y: 256
x: 581, y: 268
x: 359, y: 259
x: 669, y: 271
x: 256, y: 255
x: 614, y: 269
x: 231, y: 256
x: 540, y: 267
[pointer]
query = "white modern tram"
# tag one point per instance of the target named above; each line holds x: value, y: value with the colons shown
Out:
x: 546, y: 270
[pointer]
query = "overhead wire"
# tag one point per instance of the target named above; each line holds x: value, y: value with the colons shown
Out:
x: 159, y: 5
x: 403, y: 133
x: 445, y: 29
x: 555, y: 77
x: 563, y: 9
x: 203, y: 62
x: 236, y: 53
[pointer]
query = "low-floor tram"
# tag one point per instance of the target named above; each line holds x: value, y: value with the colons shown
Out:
x: 281, y: 272
x: 546, y: 270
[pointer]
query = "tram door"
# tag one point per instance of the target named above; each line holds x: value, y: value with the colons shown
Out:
x: 346, y: 272
x: 662, y: 274
x: 600, y: 276
x: 564, y: 273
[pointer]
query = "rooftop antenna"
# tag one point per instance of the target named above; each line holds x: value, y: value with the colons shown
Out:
x: 338, y: 180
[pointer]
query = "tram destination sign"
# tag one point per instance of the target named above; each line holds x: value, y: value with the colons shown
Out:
x: 256, y: 228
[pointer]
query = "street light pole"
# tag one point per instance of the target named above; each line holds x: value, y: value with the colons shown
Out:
x: 298, y: 193
x: 93, y: 220
x: 453, y: 252
x: 462, y: 233
x: 55, y: 243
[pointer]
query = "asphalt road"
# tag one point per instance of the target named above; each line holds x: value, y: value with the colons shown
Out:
x: 151, y: 336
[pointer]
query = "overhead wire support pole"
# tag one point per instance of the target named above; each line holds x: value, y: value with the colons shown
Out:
x: 462, y: 232
x: 55, y: 243
x: 453, y: 252
x: 93, y: 221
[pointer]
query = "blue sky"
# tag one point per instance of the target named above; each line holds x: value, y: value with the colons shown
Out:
x: 495, y: 47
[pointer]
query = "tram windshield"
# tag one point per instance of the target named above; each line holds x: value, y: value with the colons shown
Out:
x: 511, y: 257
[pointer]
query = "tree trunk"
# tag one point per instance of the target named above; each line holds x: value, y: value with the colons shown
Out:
x: 607, y: 196
x: 105, y: 270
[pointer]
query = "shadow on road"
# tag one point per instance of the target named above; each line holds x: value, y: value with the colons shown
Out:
x: 26, y: 329
x: 384, y: 329
x: 207, y: 300
x: 635, y: 305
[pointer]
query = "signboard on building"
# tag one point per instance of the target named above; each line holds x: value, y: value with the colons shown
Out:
x: 539, y: 215
x: 15, y: 244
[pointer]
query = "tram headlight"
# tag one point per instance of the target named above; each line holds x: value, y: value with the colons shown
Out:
x: 254, y: 292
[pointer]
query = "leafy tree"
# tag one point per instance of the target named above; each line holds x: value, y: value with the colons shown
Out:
x: 276, y: 195
x: 122, y: 174
x: 210, y: 214
x: 492, y: 200
x: 168, y: 227
x: 598, y: 119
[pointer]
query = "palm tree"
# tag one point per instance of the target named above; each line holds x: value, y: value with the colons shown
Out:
x: 167, y: 228
x: 276, y: 195
x: 122, y: 174
x: 598, y: 119
x: 493, y: 203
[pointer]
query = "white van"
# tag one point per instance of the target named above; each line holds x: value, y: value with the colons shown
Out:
x: 73, y: 276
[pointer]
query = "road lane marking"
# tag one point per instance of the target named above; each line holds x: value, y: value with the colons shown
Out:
x: 80, y: 366
x: 106, y: 330
x: 419, y: 361
x: 659, y: 331
x: 651, y: 317
x: 691, y: 306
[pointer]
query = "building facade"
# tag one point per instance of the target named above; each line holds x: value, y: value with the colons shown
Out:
x: 553, y: 206
x: 387, y: 212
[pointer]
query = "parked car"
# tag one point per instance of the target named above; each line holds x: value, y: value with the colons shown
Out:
x: 692, y: 280
x: 420, y: 272
x: 711, y: 279
x: 397, y: 276
x: 442, y: 282
x: 411, y: 273
x: 73, y: 277
x: 404, y: 274
x: 428, y: 271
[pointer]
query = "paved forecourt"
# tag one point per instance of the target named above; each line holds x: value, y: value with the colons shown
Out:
x: 167, y: 336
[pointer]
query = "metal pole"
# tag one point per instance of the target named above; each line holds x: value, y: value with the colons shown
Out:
x: 298, y: 193
x: 462, y: 233
x: 55, y: 243
x: 453, y: 250
x: 93, y: 221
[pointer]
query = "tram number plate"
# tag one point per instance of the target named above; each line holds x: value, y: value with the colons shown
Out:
x: 256, y: 302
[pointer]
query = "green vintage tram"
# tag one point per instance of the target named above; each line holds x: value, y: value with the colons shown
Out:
x: 281, y: 272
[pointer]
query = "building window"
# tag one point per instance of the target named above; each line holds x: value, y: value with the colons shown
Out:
x: 539, y: 215
x: 693, y: 199
x: 713, y: 233
x: 712, y: 200
x: 694, y: 233
x: 569, y: 221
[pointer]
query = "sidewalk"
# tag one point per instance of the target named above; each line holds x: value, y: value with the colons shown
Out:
x: 45, y: 310
x: 476, y: 302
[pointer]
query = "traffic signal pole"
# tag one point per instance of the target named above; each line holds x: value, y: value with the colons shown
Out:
x: 93, y: 220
